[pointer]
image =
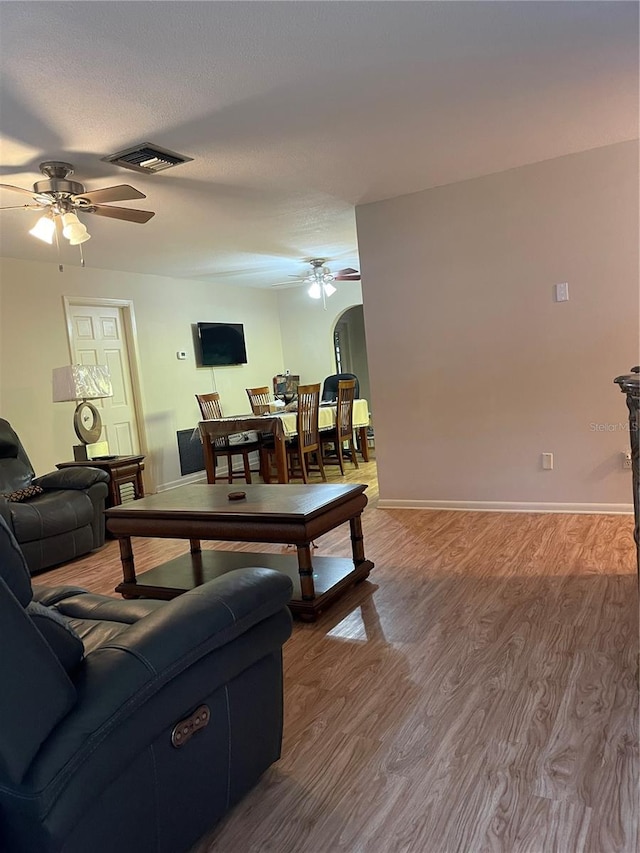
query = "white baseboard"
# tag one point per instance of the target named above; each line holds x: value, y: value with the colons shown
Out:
x: 198, y: 477
x: 201, y: 477
x: 509, y: 506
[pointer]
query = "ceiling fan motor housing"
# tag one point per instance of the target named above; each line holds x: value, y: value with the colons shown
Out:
x: 58, y: 186
x: 57, y: 171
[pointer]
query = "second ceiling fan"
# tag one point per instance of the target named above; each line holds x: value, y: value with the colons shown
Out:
x: 320, y: 279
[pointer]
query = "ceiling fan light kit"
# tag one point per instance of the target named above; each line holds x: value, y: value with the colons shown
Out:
x: 62, y: 199
x: 73, y: 229
x: 44, y: 229
x: 320, y: 280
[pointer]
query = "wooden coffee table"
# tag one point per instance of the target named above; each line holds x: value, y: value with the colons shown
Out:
x: 287, y: 514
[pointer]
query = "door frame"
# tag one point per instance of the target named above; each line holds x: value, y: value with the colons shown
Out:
x: 131, y: 339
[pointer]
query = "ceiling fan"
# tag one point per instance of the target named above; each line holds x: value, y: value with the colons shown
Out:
x: 61, y: 200
x: 320, y: 279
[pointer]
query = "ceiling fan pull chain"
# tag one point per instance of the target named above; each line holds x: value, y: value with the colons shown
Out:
x: 81, y: 256
x: 60, y: 267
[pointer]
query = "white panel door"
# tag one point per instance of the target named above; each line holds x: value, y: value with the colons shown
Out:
x: 98, y: 338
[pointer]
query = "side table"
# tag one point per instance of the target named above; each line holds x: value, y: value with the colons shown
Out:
x: 121, y: 470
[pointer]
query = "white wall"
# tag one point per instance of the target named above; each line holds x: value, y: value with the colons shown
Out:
x: 474, y: 368
x: 33, y: 340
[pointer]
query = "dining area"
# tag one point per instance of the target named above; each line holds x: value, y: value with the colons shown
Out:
x: 294, y: 431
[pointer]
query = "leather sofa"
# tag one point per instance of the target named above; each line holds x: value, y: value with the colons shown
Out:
x: 133, y: 726
x: 65, y: 520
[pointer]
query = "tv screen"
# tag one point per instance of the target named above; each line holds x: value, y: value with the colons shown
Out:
x: 221, y: 343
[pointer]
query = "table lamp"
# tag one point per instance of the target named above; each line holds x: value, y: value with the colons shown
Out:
x: 81, y: 383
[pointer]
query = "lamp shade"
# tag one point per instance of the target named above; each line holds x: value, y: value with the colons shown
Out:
x: 81, y: 382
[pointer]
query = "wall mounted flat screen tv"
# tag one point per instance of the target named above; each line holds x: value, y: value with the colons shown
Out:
x: 221, y: 344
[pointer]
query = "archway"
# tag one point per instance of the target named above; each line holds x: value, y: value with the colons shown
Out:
x: 350, y: 348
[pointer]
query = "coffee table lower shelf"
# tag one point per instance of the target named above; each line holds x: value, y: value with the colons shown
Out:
x: 331, y: 576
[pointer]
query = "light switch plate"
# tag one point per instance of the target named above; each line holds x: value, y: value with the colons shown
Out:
x: 562, y: 291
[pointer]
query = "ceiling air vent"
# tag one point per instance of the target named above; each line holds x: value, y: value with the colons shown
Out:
x: 147, y: 158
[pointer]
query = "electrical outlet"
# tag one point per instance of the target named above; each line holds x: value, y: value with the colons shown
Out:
x: 626, y: 459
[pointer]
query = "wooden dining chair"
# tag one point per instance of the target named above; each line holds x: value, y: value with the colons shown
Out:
x: 342, y: 433
x: 210, y: 408
x: 260, y: 399
x: 307, y: 441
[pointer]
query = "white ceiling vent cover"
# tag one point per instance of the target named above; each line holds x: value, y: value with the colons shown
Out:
x: 147, y: 157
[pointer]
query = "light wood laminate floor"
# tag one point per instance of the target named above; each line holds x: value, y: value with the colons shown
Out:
x: 478, y: 693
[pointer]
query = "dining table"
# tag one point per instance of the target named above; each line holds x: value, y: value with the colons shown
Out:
x: 282, y: 425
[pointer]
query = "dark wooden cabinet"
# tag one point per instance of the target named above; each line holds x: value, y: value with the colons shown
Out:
x: 630, y: 385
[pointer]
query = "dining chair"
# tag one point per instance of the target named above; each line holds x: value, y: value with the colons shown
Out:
x: 307, y: 441
x: 210, y: 408
x: 330, y: 386
x: 260, y: 399
x: 343, y: 431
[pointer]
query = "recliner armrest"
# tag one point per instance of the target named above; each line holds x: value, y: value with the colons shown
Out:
x: 72, y: 478
x: 119, y: 677
x: 205, y: 618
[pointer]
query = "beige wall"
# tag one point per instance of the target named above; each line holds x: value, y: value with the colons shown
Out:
x: 33, y: 340
x: 475, y: 369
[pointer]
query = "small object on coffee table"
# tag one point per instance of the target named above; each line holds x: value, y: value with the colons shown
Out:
x: 237, y: 496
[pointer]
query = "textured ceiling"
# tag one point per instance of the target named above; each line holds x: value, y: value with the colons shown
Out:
x: 294, y: 112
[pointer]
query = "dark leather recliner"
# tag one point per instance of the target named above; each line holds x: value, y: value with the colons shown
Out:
x: 136, y: 733
x: 65, y: 521
x: 330, y: 386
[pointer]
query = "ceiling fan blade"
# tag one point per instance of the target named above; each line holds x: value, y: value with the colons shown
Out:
x: 123, y: 192
x: 22, y: 207
x: 127, y: 213
x: 347, y: 271
x: 15, y: 189
x: 347, y: 277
